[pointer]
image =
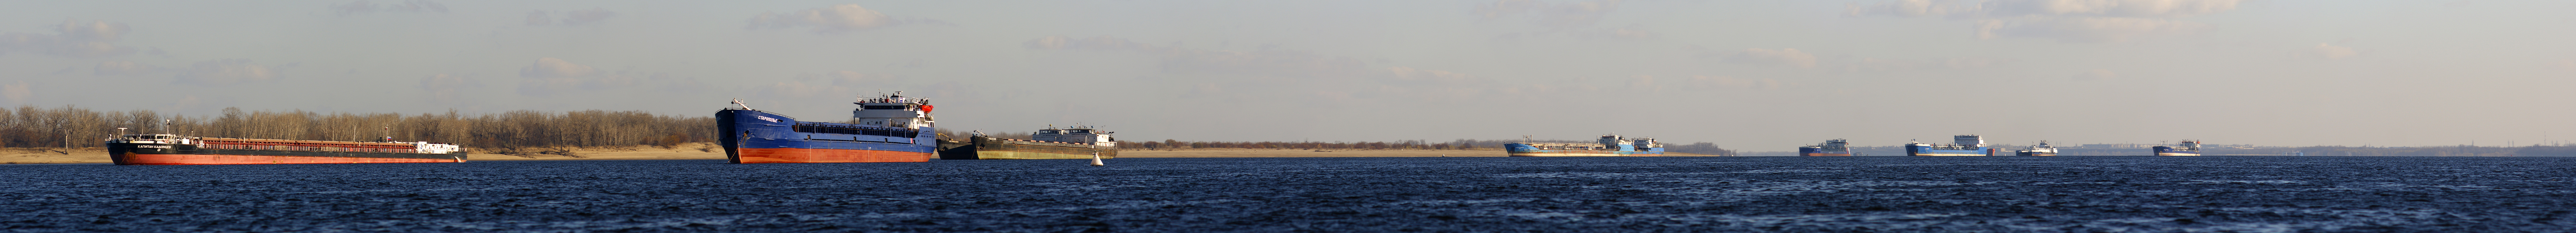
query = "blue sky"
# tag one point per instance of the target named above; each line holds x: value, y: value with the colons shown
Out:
x: 1756, y: 75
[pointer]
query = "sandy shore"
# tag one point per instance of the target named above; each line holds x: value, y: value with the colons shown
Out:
x: 692, y: 151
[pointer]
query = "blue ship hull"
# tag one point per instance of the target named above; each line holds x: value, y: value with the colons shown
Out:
x: 2170, y: 151
x: 1928, y: 151
x: 752, y: 136
x: 1821, y: 152
x: 1525, y: 150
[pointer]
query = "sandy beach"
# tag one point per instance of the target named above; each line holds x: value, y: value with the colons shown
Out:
x: 692, y: 151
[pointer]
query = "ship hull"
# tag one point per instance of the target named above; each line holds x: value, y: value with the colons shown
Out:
x: 2170, y: 151
x: 1929, y: 151
x: 2034, y: 154
x: 751, y: 136
x: 1583, y: 153
x: 981, y: 147
x: 1821, y: 152
x: 183, y: 154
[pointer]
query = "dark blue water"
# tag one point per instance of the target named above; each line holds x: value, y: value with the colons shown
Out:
x: 1466, y: 194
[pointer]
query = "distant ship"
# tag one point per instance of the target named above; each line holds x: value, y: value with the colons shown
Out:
x: 1836, y: 147
x: 1609, y: 145
x: 2040, y: 150
x: 2188, y: 148
x: 888, y: 129
x: 1078, y: 142
x: 172, y: 149
x: 1962, y: 145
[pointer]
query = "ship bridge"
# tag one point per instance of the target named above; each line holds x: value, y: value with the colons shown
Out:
x: 892, y: 111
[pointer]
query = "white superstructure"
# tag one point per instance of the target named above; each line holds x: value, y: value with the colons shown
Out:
x: 893, y: 111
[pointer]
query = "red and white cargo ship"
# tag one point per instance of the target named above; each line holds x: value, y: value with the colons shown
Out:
x: 172, y: 149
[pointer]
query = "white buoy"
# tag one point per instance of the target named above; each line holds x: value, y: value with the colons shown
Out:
x: 1095, y: 159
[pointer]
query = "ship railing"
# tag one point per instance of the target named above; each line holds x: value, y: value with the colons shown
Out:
x: 907, y: 100
x: 1075, y: 143
x: 307, y: 148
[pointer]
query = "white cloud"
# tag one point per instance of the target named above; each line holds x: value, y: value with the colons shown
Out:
x: 550, y: 75
x: 831, y: 19
x: 228, y: 71
x: 539, y: 18
x: 2107, y: 8
x: 1268, y: 73
x: 2021, y: 8
x: 570, y: 18
x: 587, y: 17
x: 363, y: 7
x: 447, y: 87
x: 2331, y: 52
x: 1564, y: 15
x: 1886, y: 64
x: 72, y: 39
x: 17, y: 93
x: 2088, y: 29
x: 1705, y: 82
x: 1784, y: 56
x: 552, y: 85
x: 120, y: 68
x: 551, y: 67
x: 2065, y: 20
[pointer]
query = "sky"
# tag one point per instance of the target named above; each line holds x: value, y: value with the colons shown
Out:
x: 1747, y: 75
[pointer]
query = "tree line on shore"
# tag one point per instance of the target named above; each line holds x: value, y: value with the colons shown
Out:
x: 71, y: 126
x: 1460, y: 144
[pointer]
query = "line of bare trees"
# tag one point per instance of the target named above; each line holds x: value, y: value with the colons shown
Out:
x: 72, y: 126
x: 1460, y: 144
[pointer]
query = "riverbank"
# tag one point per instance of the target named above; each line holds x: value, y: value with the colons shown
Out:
x: 710, y: 151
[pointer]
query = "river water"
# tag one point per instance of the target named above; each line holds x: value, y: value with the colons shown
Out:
x: 1456, y: 194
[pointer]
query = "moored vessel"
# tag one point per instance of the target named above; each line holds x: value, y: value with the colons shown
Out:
x: 2040, y: 150
x: 1836, y: 147
x: 2188, y: 148
x: 1078, y: 142
x: 1961, y: 145
x: 1608, y: 145
x: 888, y: 129
x: 172, y: 149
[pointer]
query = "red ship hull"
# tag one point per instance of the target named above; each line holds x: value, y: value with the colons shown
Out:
x: 803, y: 155
x: 188, y: 159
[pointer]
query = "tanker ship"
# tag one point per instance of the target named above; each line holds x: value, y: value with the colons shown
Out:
x: 1078, y: 142
x: 2040, y: 150
x: 172, y: 149
x: 1836, y: 147
x: 1962, y: 145
x: 887, y: 129
x: 1609, y: 145
x: 2188, y: 148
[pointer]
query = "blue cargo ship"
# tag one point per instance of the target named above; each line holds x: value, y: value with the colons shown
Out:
x: 2188, y: 148
x: 1609, y: 145
x: 1962, y: 145
x: 1836, y: 147
x: 892, y: 128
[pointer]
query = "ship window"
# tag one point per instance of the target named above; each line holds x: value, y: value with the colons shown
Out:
x: 882, y: 107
